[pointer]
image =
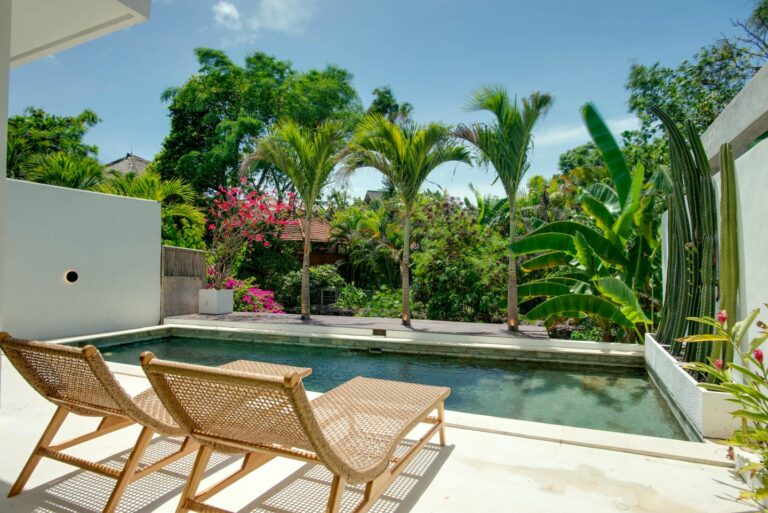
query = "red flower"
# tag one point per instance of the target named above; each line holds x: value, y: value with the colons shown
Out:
x: 718, y: 363
x: 722, y: 316
x: 758, y: 354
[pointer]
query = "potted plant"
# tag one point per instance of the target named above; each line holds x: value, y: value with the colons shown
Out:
x: 237, y: 217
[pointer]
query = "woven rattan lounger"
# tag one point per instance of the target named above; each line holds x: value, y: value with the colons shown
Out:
x: 77, y: 380
x: 354, y: 429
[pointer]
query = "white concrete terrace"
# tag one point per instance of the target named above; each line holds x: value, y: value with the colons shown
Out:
x: 489, y: 464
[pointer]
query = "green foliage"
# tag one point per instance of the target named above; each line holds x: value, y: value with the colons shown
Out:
x: 746, y: 384
x: 220, y: 112
x: 36, y: 134
x: 611, y: 256
x: 67, y: 170
x: 320, y: 277
x: 385, y: 104
x: 456, y: 272
x: 352, y: 297
x: 696, y: 90
x: 384, y: 302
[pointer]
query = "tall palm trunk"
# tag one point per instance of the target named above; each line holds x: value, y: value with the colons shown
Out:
x: 305, y: 267
x: 405, y: 269
x: 512, y: 320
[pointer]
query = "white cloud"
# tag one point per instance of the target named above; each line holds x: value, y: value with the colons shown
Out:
x: 227, y: 15
x: 575, y: 134
x: 246, y: 19
x: 288, y: 16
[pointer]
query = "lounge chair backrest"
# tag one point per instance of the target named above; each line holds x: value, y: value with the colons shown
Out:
x: 77, y: 378
x: 66, y: 375
x: 250, y: 409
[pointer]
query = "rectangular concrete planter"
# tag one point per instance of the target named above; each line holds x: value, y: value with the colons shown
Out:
x: 217, y: 302
x: 707, y: 412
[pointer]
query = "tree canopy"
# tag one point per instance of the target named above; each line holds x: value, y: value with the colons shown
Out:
x: 218, y: 115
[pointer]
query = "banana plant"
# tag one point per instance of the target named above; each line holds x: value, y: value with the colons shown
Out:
x: 611, y: 264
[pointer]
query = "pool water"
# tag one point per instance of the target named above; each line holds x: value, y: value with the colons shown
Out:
x: 620, y: 400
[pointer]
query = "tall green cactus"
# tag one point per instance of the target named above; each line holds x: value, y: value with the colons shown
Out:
x: 692, y: 244
x: 729, y: 245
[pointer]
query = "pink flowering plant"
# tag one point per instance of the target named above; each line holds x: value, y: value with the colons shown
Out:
x: 239, y: 216
x: 747, y: 384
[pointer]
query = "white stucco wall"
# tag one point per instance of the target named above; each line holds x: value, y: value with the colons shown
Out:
x: 112, y: 242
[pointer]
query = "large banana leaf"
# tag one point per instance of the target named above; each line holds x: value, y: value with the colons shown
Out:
x: 617, y: 291
x: 623, y: 226
x: 542, y: 288
x: 586, y: 255
x: 585, y: 303
x: 607, y: 251
x: 607, y: 145
x: 605, y: 194
x: 546, y: 261
x: 547, y: 241
x: 603, y: 218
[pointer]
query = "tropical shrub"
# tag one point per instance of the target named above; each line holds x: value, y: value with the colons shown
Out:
x: 611, y: 263
x: 67, y: 170
x: 320, y: 277
x: 238, y: 216
x: 386, y: 302
x: 746, y: 383
x: 456, y: 272
x: 351, y: 297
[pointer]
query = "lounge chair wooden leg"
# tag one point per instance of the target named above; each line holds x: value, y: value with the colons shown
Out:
x: 441, y: 419
x: 195, y: 476
x: 337, y: 492
x: 129, y: 469
x: 45, y: 440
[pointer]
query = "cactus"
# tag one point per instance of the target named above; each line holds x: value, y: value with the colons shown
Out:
x: 692, y: 243
x: 729, y: 245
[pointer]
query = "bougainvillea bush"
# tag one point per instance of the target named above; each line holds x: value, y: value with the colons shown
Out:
x: 248, y: 297
x: 239, y: 216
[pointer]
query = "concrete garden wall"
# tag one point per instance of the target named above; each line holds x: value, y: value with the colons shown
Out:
x: 111, y: 242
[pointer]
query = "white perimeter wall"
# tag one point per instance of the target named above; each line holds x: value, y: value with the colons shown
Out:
x: 112, y: 242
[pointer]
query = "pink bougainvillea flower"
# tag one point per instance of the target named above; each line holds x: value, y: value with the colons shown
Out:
x: 718, y: 363
x: 722, y: 316
x: 758, y: 354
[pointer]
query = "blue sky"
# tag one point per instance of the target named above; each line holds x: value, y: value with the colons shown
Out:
x: 432, y: 53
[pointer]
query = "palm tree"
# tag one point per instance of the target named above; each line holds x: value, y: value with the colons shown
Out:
x: 307, y: 157
x: 505, y: 144
x: 175, y: 196
x: 405, y: 154
x: 65, y: 170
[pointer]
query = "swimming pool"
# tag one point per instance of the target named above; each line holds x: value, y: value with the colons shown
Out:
x: 620, y: 400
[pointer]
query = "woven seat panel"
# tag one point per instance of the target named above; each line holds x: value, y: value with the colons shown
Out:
x: 264, y: 368
x: 257, y: 416
x: 64, y: 376
x: 152, y: 406
x: 364, y: 418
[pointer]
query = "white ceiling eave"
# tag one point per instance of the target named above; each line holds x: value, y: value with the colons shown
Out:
x: 43, y: 27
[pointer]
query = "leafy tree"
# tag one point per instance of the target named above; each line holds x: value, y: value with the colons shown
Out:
x: 220, y: 113
x: 36, y: 134
x: 385, y: 104
x: 68, y: 170
x: 754, y: 36
x: 308, y: 157
x: 406, y: 155
x: 582, y: 156
x: 179, y: 217
x: 505, y: 144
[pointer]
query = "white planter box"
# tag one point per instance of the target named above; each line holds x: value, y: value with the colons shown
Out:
x: 213, y: 301
x: 708, y: 412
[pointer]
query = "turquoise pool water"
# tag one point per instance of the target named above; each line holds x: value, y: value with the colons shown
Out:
x: 599, y: 398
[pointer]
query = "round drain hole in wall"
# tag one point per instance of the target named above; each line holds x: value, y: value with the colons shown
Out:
x: 71, y: 277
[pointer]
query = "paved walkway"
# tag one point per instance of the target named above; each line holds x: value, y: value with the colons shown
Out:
x: 477, y: 472
x: 377, y: 323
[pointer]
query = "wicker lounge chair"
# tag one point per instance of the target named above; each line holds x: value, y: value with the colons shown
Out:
x: 354, y: 429
x: 77, y: 380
